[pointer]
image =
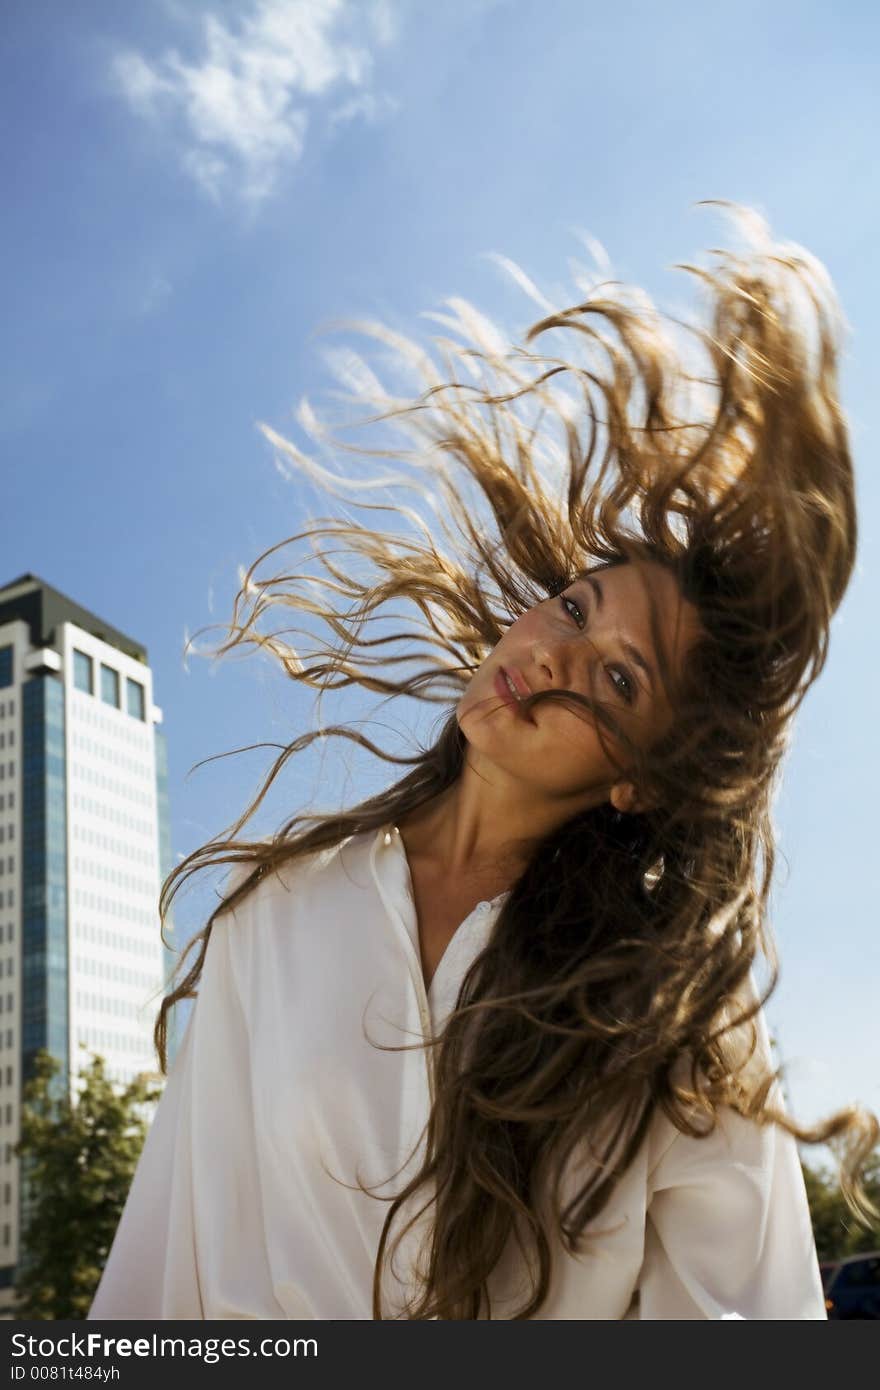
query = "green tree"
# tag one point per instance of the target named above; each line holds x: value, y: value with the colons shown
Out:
x: 836, y: 1229
x: 78, y: 1160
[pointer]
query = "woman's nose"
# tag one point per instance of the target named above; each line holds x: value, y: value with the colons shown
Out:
x: 553, y: 659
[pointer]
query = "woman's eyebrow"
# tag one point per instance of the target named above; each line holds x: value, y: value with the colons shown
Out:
x: 631, y: 650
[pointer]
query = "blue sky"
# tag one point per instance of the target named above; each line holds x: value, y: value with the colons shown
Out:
x: 193, y: 189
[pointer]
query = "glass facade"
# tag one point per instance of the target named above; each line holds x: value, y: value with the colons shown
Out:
x: 44, y: 954
x: 83, y: 672
x: 44, y: 876
x: 6, y: 671
x: 135, y: 702
x: 109, y: 686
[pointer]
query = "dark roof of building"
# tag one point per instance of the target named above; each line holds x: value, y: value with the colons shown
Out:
x: 30, y: 598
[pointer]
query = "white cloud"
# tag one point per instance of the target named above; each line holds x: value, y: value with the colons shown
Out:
x: 155, y: 295
x: 245, y: 102
x: 370, y: 107
x: 138, y: 82
x: 384, y: 21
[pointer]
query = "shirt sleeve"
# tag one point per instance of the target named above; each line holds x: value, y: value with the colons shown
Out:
x: 728, y: 1231
x: 190, y: 1243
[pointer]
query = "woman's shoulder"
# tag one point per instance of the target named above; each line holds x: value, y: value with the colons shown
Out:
x: 276, y: 890
x: 285, y: 910
x: 282, y: 871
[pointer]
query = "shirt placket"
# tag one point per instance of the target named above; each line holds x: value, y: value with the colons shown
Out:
x: 394, y: 888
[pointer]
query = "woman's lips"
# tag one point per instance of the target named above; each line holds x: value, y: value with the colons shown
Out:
x: 508, y: 697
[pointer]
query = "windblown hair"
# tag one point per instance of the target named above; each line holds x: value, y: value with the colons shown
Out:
x: 613, y: 984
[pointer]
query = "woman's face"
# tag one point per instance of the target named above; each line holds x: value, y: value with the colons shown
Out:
x: 595, y: 638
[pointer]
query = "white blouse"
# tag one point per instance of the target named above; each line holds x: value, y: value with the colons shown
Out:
x: 245, y: 1202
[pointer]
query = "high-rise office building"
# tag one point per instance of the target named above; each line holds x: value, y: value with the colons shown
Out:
x: 84, y: 846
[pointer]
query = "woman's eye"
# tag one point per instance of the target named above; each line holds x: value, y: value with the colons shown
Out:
x: 623, y: 685
x: 625, y: 689
x: 568, y: 604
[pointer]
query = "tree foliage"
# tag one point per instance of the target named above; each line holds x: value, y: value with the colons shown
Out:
x: 78, y: 1159
x: 836, y: 1229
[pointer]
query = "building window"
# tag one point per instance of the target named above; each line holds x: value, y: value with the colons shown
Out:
x: 83, y: 672
x: 5, y: 666
x: 135, y: 691
x: 110, y: 686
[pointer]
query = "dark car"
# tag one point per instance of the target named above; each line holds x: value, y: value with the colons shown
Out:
x: 852, y: 1286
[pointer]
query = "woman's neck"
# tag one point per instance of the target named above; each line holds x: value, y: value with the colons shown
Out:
x: 477, y: 829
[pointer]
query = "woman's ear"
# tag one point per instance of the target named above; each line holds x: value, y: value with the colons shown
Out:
x: 624, y: 798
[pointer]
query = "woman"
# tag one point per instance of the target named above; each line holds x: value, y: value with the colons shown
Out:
x: 490, y: 1044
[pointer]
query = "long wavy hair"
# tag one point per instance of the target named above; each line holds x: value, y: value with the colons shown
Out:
x: 613, y: 982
